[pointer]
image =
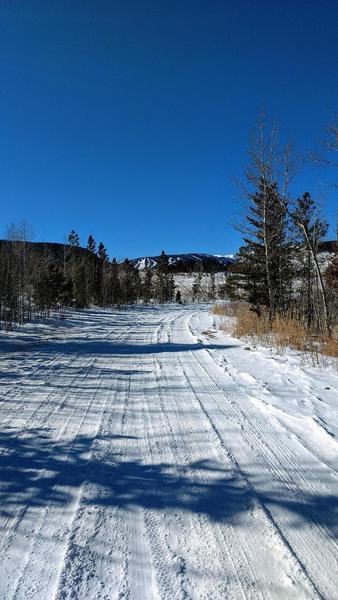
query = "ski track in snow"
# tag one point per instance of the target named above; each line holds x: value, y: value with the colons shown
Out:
x: 141, y: 460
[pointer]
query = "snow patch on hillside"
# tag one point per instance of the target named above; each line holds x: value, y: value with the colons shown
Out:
x: 217, y: 260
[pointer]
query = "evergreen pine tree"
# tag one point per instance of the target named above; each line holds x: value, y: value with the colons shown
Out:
x: 130, y: 282
x: 73, y: 239
x: 170, y: 289
x: 161, y: 285
x: 102, y: 252
x: 103, y: 275
x: 265, y: 257
x: 147, y: 287
x: 197, y: 287
x: 91, y: 245
x: 79, y: 286
x: 115, y: 283
x: 212, y: 288
x: 235, y: 281
x: 48, y: 288
x: 164, y: 281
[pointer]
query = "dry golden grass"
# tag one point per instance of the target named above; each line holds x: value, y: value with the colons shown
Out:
x: 218, y: 309
x: 226, y: 309
x: 282, y: 332
x: 330, y: 347
x: 287, y: 331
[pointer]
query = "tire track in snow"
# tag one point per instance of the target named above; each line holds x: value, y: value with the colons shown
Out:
x: 225, y: 456
x: 34, y: 535
x: 124, y: 530
x: 170, y: 568
x: 140, y: 523
x: 78, y: 562
x: 61, y: 366
x: 242, y: 568
x: 285, y: 546
x: 285, y: 419
x: 256, y: 439
x: 177, y: 432
x: 51, y: 515
x: 280, y: 460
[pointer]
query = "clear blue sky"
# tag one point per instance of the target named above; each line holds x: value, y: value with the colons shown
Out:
x: 127, y: 118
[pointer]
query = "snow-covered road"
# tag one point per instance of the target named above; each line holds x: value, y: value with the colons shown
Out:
x: 144, y: 456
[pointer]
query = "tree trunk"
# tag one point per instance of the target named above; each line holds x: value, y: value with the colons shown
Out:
x: 319, y: 276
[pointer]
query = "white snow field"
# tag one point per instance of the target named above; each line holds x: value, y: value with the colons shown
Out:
x: 145, y: 455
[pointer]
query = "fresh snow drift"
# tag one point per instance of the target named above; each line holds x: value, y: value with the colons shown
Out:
x: 146, y: 455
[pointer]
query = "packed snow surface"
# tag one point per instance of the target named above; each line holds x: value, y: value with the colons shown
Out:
x: 147, y: 455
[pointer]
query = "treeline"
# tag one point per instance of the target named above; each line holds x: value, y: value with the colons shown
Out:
x: 38, y: 277
x: 278, y: 270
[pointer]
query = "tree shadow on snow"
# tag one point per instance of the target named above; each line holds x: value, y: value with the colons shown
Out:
x: 103, y: 347
x: 36, y: 471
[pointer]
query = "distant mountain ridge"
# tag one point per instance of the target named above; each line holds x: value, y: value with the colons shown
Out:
x: 186, y: 262
x: 53, y: 252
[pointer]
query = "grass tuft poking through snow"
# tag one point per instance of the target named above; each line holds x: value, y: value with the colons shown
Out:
x: 281, y: 333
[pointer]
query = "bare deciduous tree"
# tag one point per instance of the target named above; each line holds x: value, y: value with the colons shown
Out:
x: 22, y: 231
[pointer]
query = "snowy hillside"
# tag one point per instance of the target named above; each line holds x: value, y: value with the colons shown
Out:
x: 220, y: 262
x: 184, y: 282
